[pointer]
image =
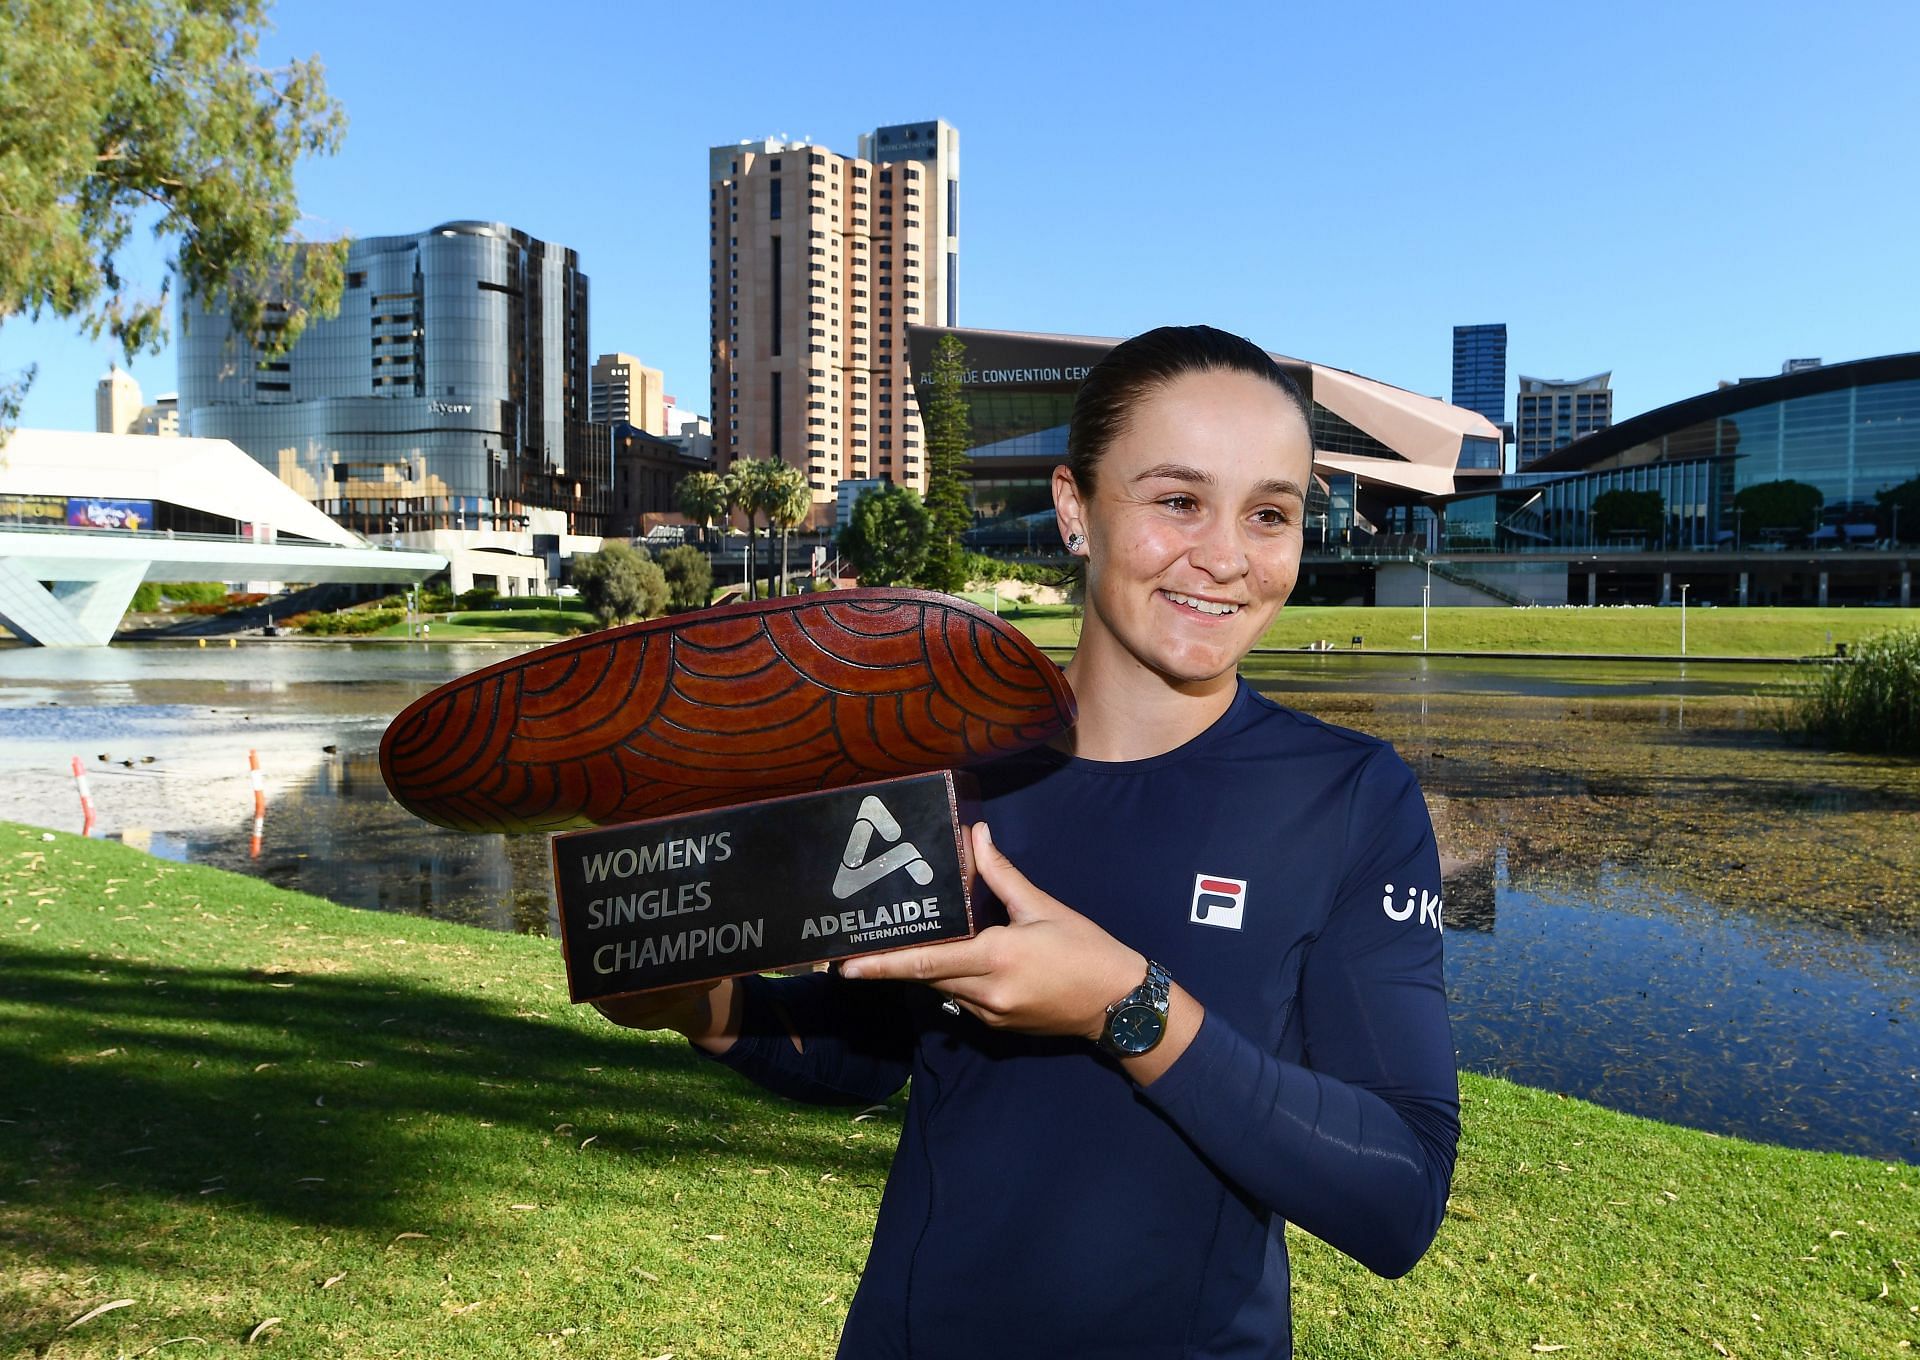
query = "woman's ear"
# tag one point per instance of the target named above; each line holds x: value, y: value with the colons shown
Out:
x: 1067, y: 504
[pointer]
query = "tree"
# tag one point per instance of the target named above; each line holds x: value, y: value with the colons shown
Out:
x: 789, y: 509
x: 621, y: 583
x: 118, y: 114
x: 886, y: 537
x: 1783, y: 507
x: 943, y: 412
x: 1629, y: 512
x: 689, y: 576
x: 1902, y: 503
x: 702, y: 497
x: 756, y: 487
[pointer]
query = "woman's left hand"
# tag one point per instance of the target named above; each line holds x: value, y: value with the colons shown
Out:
x: 1049, y: 970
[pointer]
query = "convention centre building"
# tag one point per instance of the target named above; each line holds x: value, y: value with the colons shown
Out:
x: 1844, y: 438
x: 1410, y: 494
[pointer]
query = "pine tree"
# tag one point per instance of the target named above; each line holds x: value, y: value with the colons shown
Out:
x: 943, y: 414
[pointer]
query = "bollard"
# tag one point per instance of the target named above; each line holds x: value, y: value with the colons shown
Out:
x: 86, y: 798
x: 259, y: 781
x: 233, y: 642
x: 201, y: 641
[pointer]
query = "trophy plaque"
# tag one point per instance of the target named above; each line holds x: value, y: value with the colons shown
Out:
x: 706, y: 729
x: 767, y: 885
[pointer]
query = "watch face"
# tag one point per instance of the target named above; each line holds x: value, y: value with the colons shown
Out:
x: 1135, y: 1029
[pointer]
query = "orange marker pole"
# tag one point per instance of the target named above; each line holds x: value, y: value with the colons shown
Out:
x: 259, y: 801
x: 86, y: 797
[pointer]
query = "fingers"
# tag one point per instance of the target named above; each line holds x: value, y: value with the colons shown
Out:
x: 1022, y: 900
x: 928, y: 962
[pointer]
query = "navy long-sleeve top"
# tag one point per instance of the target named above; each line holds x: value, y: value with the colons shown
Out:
x: 1042, y: 1203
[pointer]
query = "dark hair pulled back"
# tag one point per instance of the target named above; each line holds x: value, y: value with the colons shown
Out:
x: 1136, y: 368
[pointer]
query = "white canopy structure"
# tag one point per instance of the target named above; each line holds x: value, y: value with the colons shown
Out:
x: 67, y: 584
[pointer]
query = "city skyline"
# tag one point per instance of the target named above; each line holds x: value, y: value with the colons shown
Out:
x: 1339, y: 228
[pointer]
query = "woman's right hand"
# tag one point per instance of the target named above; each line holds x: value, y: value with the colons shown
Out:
x: 702, y: 1011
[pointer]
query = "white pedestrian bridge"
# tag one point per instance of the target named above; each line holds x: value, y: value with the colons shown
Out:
x: 78, y: 535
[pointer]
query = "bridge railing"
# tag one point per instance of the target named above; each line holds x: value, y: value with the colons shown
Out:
x: 172, y: 536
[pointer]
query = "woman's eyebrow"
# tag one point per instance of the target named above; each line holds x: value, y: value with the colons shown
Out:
x: 1181, y: 472
x: 1176, y: 472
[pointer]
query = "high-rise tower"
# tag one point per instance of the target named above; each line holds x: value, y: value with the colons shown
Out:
x: 818, y: 263
x: 1480, y: 370
x: 116, y: 402
x: 1553, y: 412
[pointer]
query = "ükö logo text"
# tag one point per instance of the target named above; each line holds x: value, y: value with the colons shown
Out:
x: 1416, y: 899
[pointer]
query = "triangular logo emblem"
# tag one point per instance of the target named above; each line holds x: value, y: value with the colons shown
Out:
x: 857, y: 871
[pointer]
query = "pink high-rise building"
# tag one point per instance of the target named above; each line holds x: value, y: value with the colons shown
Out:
x: 818, y: 264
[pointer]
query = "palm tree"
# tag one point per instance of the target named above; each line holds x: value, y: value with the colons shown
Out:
x: 737, y: 484
x: 703, y: 498
x: 788, y: 508
x: 757, y: 488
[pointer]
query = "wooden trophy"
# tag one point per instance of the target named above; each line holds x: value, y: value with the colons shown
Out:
x: 769, y: 784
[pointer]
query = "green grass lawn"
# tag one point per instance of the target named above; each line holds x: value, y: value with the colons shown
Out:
x: 226, y: 1104
x: 1619, y: 632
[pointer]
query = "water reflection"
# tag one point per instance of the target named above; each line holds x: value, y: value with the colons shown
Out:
x: 338, y: 834
x: 1642, y: 999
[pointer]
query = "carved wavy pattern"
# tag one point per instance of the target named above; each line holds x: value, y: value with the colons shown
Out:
x: 751, y: 701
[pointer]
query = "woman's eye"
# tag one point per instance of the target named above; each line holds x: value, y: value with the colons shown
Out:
x: 1272, y: 518
x: 1178, y: 502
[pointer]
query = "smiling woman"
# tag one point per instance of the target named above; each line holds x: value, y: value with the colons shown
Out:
x: 1208, y: 1015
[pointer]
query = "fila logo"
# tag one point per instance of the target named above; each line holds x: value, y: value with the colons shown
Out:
x: 857, y: 871
x: 1218, y: 901
x: 1427, y: 903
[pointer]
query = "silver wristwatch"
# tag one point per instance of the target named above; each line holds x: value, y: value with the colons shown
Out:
x: 1138, y: 1020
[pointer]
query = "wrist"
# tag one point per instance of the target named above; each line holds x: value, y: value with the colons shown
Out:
x: 1125, y: 973
x: 1135, y: 1020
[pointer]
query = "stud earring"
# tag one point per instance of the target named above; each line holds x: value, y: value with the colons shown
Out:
x: 1076, y: 543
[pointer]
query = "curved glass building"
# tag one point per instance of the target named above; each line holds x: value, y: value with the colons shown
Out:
x: 449, y: 393
x: 1850, y: 430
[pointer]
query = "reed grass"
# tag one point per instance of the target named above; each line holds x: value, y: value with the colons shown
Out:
x: 1870, y: 704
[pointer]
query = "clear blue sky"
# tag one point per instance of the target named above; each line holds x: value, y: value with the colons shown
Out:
x: 1678, y: 193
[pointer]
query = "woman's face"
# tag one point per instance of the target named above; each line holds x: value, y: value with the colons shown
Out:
x: 1194, y: 526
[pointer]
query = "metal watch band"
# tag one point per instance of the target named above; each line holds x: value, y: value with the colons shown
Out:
x: 1155, y: 991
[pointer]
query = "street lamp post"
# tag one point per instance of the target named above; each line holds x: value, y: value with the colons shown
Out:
x: 1683, y: 618
x: 1426, y: 605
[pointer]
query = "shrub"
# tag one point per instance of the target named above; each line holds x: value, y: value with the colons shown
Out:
x: 620, y: 583
x: 480, y: 597
x: 689, y: 577
x: 981, y: 567
x: 1870, y: 703
x: 351, y: 623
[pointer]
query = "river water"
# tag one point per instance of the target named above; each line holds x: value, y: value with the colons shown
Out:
x: 1610, y: 983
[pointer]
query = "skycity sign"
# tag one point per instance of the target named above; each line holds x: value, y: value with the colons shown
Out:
x: 451, y: 408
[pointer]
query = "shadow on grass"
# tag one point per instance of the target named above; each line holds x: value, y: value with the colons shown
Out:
x: 337, y: 1100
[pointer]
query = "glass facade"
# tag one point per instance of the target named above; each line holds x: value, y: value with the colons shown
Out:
x: 1852, y: 443
x: 450, y: 391
x: 1480, y: 370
